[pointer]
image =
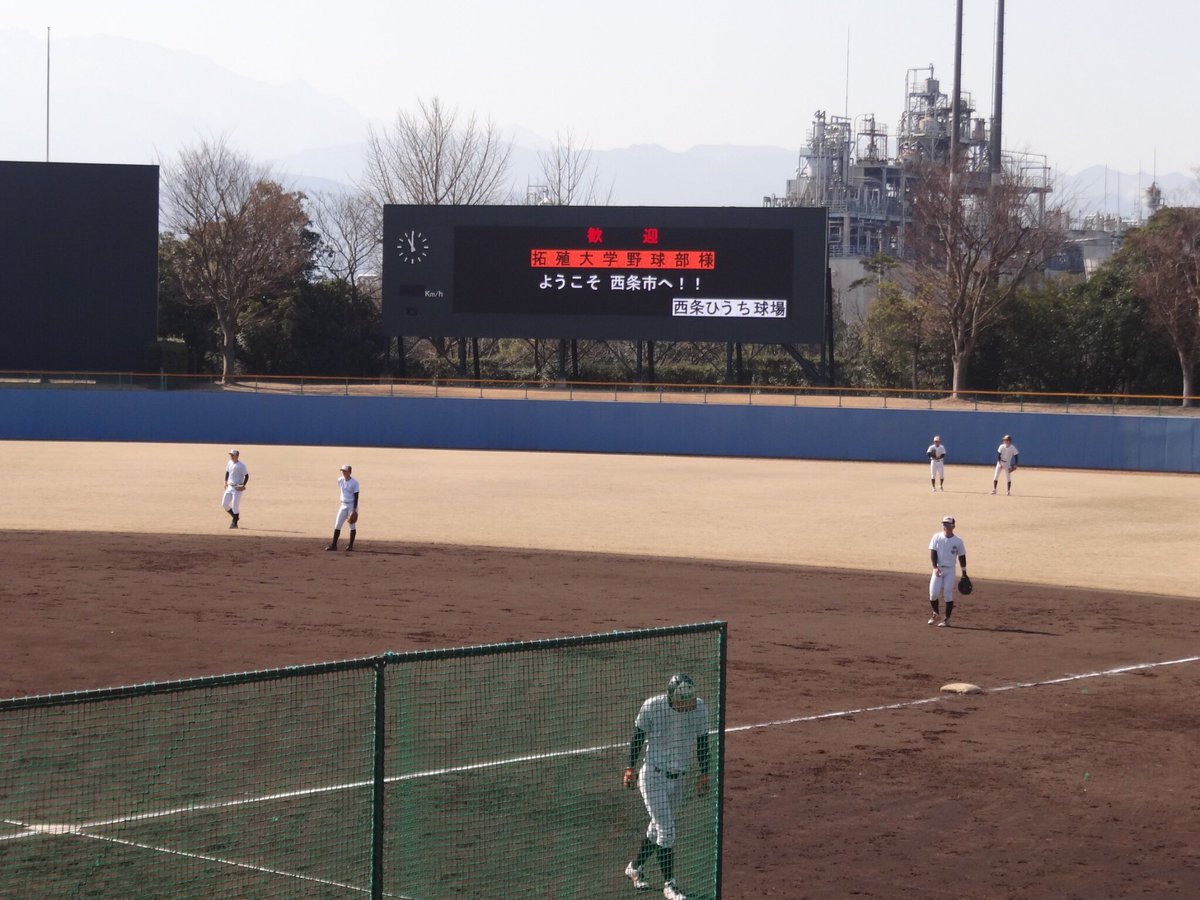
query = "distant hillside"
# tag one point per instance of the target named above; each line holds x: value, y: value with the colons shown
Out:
x: 645, y: 175
x: 1102, y: 190
x: 122, y: 101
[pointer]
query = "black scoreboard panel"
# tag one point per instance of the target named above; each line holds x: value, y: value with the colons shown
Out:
x: 78, y: 266
x: 755, y: 275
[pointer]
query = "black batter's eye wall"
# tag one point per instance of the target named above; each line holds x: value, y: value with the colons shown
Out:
x: 78, y: 266
x: 755, y: 275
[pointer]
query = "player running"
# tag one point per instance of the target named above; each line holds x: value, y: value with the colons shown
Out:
x: 669, y: 725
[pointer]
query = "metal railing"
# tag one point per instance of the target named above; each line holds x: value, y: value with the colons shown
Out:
x: 614, y: 392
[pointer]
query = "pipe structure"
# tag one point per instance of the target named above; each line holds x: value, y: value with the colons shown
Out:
x: 994, y: 143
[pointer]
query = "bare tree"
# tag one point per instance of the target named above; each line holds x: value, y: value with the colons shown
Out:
x: 1165, y: 254
x: 241, y: 236
x: 973, y: 245
x: 429, y: 157
x: 351, y: 229
x: 569, y: 176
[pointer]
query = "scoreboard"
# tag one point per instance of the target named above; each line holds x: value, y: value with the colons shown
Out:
x: 755, y: 275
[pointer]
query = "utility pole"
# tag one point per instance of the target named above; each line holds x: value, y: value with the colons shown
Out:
x: 47, y: 93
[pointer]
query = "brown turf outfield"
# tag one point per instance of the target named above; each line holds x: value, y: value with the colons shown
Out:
x: 125, y: 572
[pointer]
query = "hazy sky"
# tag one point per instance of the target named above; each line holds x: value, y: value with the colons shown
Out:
x: 1086, y: 81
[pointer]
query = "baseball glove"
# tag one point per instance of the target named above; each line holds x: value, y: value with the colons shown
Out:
x: 965, y: 586
x: 353, y: 517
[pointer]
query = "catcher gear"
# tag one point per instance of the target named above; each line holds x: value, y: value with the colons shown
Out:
x: 353, y: 517
x: 965, y: 586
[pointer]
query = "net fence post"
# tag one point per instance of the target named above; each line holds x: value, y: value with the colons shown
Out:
x: 378, y: 783
x: 722, y: 643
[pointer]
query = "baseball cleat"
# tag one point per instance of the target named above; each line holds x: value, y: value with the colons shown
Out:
x: 932, y: 619
x: 671, y: 892
x: 331, y: 547
x: 635, y: 875
x: 945, y: 623
x: 233, y: 524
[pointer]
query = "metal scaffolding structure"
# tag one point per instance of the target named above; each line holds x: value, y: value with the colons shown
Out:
x: 847, y: 166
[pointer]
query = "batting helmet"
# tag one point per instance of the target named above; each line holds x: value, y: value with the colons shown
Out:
x: 681, y: 688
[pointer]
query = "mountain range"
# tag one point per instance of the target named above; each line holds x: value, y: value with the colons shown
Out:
x: 115, y: 100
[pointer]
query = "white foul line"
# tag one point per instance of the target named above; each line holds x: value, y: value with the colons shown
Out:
x: 1008, y: 687
x: 81, y: 830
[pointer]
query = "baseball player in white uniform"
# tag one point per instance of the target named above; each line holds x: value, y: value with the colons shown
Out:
x: 237, y: 476
x: 944, y: 549
x: 671, y: 726
x: 1006, y: 462
x: 347, y: 509
x: 937, y: 464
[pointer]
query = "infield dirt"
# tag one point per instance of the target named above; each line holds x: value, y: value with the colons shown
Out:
x: 1082, y: 788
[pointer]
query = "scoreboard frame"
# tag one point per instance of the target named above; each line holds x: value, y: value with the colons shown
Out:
x: 743, y: 274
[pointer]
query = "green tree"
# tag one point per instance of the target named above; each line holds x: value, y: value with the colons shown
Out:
x: 241, y: 237
x: 319, y: 328
x: 974, y: 245
x: 195, y: 325
x: 1165, y: 258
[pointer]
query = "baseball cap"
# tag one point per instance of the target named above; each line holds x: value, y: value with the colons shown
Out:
x: 1007, y: 437
x: 948, y: 520
x: 937, y: 437
x: 681, y: 687
x: 346, y: 467
x: 234, y: 453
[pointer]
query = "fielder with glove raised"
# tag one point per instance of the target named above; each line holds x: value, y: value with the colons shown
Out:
x: 348, y: 488
x: 1006, y: 462
x: 669, y: 725
x: 944, y: 548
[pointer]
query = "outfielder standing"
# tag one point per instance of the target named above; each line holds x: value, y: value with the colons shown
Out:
x: 1006, y: 462
x: 944, y: 549
x: 670, y: 725
x: 937, y: 465
x: 237, y: 476
x: 347, y: 510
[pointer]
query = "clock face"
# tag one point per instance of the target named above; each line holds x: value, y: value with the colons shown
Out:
x: 412, y: 246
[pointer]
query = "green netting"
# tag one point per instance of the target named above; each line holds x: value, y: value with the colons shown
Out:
x: 504, y: 770
x: 495, y: 772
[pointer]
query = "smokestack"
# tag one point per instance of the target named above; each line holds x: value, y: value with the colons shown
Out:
x: 998, y: 100
x: 954, y: 106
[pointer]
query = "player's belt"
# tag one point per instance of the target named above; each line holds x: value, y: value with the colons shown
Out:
x: 671, y: 775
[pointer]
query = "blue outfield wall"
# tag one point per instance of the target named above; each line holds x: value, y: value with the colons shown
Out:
x: 1060, y: 440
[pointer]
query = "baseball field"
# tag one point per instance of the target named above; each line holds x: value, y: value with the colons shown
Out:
x: 848, y: 771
